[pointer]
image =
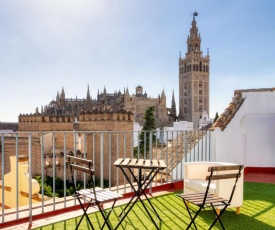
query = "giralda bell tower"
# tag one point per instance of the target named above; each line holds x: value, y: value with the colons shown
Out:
x: 193, y: 79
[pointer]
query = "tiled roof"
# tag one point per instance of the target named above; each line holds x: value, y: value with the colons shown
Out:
x: 233, y: 107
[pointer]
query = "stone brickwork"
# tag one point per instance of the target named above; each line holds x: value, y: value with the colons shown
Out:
x: 89, y: 134
x: 45, y: 123
x: 111, y: 145
x: 193, y: 79
x: 23, y: 149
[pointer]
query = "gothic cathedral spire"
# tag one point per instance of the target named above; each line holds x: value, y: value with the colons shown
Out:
x: 173, y: 106
x: 193, y: 78
x: 88, y: 94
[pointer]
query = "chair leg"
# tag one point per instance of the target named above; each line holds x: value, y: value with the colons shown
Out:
x: 84, y: 214
x: 218, y: 216
x: 106, y: 215
x: 190, y: 215
x: 218, y: 211
x: 186, y: 203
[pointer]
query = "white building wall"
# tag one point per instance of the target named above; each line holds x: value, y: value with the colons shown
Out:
x: 170, y: 133
x: 249, y: 138
x: 136, y: 132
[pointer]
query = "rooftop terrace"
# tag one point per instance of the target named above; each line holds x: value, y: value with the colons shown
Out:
x: 257, y: 211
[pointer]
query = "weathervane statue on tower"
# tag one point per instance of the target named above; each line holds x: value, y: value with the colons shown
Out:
x: 195, y: 14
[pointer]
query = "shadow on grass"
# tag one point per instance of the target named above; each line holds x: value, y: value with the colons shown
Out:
x: 257, y: 212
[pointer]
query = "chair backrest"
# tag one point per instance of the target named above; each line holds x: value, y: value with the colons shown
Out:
x: 81, y: 165
x: 224, y: 172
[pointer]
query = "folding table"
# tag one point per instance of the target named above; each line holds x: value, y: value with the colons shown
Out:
x: 150, y: 169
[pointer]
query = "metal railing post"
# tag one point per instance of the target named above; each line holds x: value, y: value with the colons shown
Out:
x: 101, y: 159
x: 30, y: 178
x: 3, y: 181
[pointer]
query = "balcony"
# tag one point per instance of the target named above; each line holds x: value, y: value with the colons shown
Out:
x: 44, y: 154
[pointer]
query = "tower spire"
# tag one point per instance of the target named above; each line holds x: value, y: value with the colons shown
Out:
x: 88, y: 94
x: 173, y: 107
x: 194, y: 40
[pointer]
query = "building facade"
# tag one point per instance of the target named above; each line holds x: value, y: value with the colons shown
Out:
x: 112, y: 102
x: 193, y: 79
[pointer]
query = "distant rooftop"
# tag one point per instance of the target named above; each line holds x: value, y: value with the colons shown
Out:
x: 4, y: 126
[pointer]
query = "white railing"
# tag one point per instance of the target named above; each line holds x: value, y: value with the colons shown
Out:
x: 44, y: 155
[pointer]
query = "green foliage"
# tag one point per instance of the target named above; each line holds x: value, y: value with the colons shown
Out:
x: 216, y: 117
x: 148, y: 127
x: 59, y: 185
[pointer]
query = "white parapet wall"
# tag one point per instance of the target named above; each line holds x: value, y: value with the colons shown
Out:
x: 249, y: 137
x: 10, y: 186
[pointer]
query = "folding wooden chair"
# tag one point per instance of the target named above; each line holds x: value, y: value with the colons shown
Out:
x: 96, y: 196
x: 204, y: 200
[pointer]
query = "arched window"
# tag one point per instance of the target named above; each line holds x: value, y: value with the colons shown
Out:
x: 197, y: 67
x: 203, y: 68
x: 207, y: 68
x: 194, y: 67
x: 200, y: 66
x: 200, y: 108
x: 184, y: 67
x: 200, y: 99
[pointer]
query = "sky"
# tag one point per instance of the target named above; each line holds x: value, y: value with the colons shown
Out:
x: 49, y: 44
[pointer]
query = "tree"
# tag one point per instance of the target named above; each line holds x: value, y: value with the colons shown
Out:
x: 216, y: 117
x: 148, y: 127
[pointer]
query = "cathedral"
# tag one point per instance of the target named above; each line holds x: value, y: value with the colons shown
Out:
x: 193, y: 79
x: 112, y: 103
x: 193, y: 94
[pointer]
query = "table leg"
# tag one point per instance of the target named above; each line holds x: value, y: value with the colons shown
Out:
x: 142, y: 186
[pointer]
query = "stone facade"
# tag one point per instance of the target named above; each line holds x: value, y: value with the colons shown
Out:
x: 136, y: 103
x: 23, y: 142
x: 193, y: 79
x: 84, y: 135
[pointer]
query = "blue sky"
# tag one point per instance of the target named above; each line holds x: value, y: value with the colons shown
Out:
x: 47, y: 44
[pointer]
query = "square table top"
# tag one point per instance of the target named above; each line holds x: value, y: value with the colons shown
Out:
x: 140, y: 163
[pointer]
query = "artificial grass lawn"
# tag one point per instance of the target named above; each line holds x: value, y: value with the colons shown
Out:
x: 257, y: 212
